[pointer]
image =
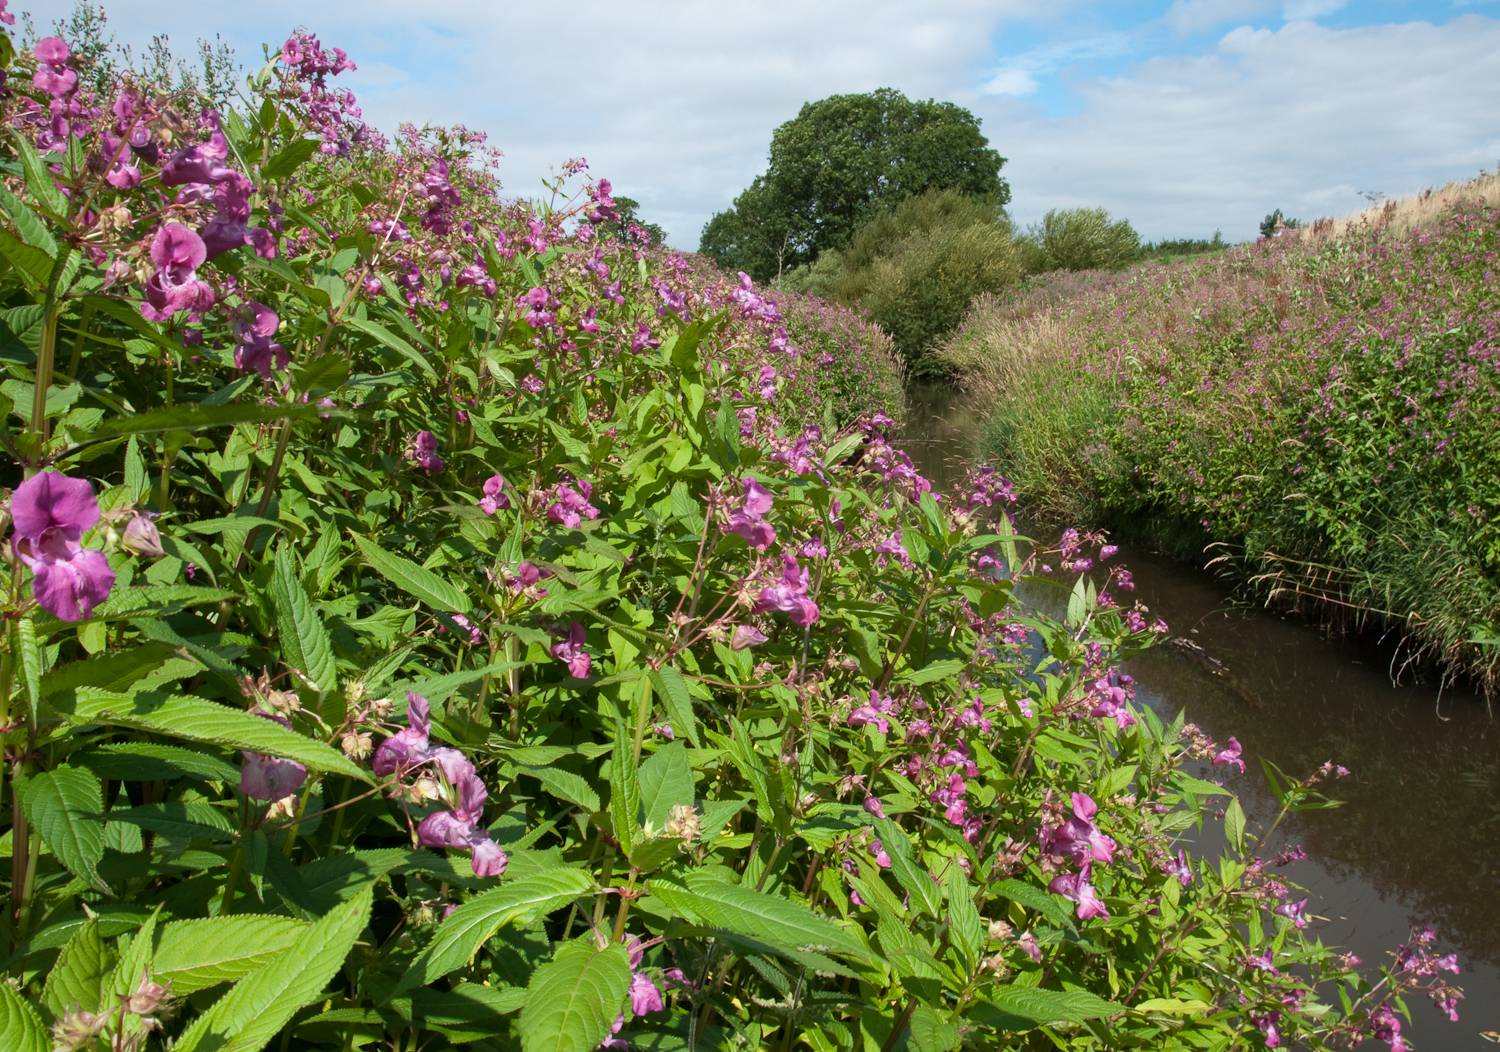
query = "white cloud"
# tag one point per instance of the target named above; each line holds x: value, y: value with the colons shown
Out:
x: 1298, y: 10
x: 1300, y: 118
x: 675, y: 101
x: 1013, y: 82
x: 1186, y: 17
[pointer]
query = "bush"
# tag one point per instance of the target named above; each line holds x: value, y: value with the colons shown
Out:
x: 418, y: 634
x: 1080, y: 239
x: 915, y: 269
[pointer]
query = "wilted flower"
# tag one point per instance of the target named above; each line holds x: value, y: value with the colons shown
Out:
x: 746, y: 636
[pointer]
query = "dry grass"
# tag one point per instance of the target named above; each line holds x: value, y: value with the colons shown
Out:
x: 1408, y: 213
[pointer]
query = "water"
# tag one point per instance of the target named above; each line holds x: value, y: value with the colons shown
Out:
x: 1418, y: 840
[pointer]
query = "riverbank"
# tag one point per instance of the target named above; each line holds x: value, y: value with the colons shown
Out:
x: 1318, y: 413
x: 1424, y: 761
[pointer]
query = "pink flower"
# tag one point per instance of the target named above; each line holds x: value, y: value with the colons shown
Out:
x: 178, y: 253
x: 52, y: 73
x: 789, y: 595
x: 746, y: 636
x: 422, y: 451
x: 494, y: 495
x: 1076, y: 888
x: 874, y: 713
x: 50, y: 513
x: 255, y: 349
x: 644, y: 996
x: 270, y: 778
x: 206, y: 162
x: 459, y: 826
x: 571, y: 653
x: 570, y: 505
x: 1230, y: 755
x: 407, y: 748
x: 749, y: 520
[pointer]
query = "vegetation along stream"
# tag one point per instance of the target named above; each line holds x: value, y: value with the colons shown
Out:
x: 1414, y: 843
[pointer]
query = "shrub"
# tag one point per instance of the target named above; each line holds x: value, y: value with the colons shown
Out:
x: 1080, y: 239
x: 419, y: 634
x: 915, y: 269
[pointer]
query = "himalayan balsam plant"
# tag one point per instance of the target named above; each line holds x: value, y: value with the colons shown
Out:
x: 428, y: 621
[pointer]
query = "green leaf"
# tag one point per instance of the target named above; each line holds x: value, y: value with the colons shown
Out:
x: 666, y: 780
x: 965, y: 929
x: 196, y: 954
x: 909, y: 873
x: 931, y: 1032
x: 624, y: 791
x: 303, y: 638
x: 467, y: 928
x: 759, y: 914
x: 66, y: 806
x: 196, y: 719
x: 258, y: 1006
x: 140, y: 761
x: 77, y: 979
x: 1234, y: 824
x: 182, y: 819
x: 31, y: 660
x: 38, y: 179
x: 394, y: 342
x: 573, y: 998
x: 675, y: 697
x: 933, y: 672
x: 1052, y: 1006
x: 289, y: 158
x: 32, y: 229
x: 414, y: 580
x: 565, y: 785
x: 198, y: 417
x: 21, y: 1029
x: 1172, y: 1006
x: 1034, y: 898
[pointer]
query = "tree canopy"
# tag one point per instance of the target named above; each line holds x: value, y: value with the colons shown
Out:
x: 838, y: 162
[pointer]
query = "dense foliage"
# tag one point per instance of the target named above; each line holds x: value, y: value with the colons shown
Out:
x: 1325, y: 407
x: 914, y: 268
x: 1080, y: 239
x: 423, y: 630
x: 837, y: 163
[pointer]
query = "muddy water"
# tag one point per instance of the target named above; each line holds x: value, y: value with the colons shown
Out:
x: 1418, y: 840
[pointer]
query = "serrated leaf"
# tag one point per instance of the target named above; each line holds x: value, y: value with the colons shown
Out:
x: 565, y: 785
x: 573, y: 998
x: 197, y: 417
x: 1052, y: 1006
x: 389, y: 339
x: 258, y: 1006
x: 77, y: 979
x: 197, y: 954
x: 467, y: 928
x: 416, y: 581
x: 66, y: 806
x: 30, y: 226
x: 21, y: 1028
x: 624, y: 791
x: 1172, y: 1006
x: 666, y: 780
x: 289, y: 158
x: 703, y: 900
x: 965, y: 929
x: 1234, y: 824
x: 197, y: 719
x: 303, y: 638
x: 909, y: 873
x: 182, y: 819
x: 1034, y: 898
x: 31, y: 660
x: 138, y: 761
x: 931, y: 1032
x: 39, y: 180
x: 933, y: 672
x: 677, y: 700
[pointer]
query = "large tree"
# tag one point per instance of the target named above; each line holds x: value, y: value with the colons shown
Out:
x: 838, y: 162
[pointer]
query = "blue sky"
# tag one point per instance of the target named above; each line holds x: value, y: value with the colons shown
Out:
x: 1184, y: 117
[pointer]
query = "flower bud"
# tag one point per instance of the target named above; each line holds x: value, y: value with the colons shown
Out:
x: 140, y: 536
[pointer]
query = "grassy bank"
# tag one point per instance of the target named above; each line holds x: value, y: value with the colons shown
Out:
x: 1320, y: 409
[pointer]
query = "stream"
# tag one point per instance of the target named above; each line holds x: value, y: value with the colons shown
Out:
x: 1417, y: 841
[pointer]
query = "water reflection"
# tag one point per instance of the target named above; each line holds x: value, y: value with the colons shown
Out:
x: 1416, y: 842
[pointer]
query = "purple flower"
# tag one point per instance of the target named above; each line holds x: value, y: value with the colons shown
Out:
x: 874, y: 713
x: 207, y: 162
x: 494, y: 495
x: 270, y: 778
x: 422, y: 451
x: 140, y: 536
x: 407, y: 748
x: 459, y: 826
x: 789, y: 595
x: 1076, y: 888
x: 255, y: 348
x: 746, y: 636
x: 52, y: 73
x: 749, y: 520
x: 882, y: 859
x: 1296, y: 912
x: 1180, y: 869
x: 1267, y: 1026
x: 1230, y: 755
x: 644, y: 996
x: 571, y: 653
x: 178, y: 253
x: 1078, y: 838
x: 570, y: 505
x: 50, y: 513
x: 873, y: 805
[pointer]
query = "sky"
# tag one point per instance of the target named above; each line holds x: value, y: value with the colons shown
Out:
x: 1185, y: 117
